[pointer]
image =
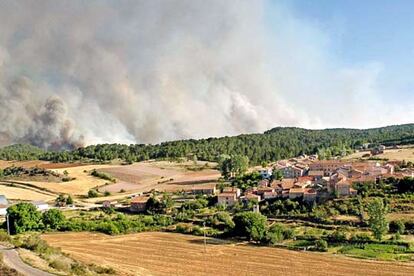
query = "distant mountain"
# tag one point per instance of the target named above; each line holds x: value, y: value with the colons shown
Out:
x: 274, y: 144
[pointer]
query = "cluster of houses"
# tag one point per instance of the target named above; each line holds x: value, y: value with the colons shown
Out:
x: 308, y: 178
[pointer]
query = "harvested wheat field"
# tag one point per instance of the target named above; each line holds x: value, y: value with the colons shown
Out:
x: 80, y: 186
x: 17, y: 193
x: 37, y: 163
x: 159, y: 175
x: 406, y: 154
x: 158, y: 253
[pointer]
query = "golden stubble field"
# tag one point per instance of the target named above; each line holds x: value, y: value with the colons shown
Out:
x: 159, y: 175
x: 80, y: 186
x: 406, y: 154
x: 157, y: 253
x: 16, y: 193
x: 138, y: 177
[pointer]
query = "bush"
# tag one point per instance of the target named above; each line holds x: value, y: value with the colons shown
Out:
x: 184, y: 228
x: 78, y: 269
x: 321, y: 245
x: 101, y: 269
x: 278, y: 233
x: 361, y: 237
x: 4, y: 237
x: 337, y: 236
x: 69, y: 200
x: 92, y: 193
x: 53, y: 219
x: 34, y: 243
x: 59, y: 264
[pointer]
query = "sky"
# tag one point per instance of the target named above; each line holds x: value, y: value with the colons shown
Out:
x: 75, y: 72
x: 363, y: 32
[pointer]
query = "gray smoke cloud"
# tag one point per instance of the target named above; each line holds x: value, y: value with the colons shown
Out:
x: 81, y: 72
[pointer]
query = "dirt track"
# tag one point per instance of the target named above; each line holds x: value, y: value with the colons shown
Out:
x: 12, y: 260
x: 176, y: 254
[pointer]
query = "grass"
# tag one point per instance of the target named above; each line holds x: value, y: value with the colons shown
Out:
x: 300, y: 244
x: 383, y: 252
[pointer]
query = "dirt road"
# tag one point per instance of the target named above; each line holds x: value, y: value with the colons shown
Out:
x: 12, y: 259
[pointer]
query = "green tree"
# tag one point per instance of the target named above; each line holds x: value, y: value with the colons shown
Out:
x: 224, y: 165
x: 400, y: 227
x: 277, y: 233
x: 224, y: 219
x: 53, y: 219
x: 234, y: 165
x: 377, y: 218
x: 24, y: 217
x: 69, y: 200
x: 250, y: 225
x: 239, y: 164
x: 159, y: 205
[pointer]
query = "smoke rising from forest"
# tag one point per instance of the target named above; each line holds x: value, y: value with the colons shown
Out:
x: 81, y: 72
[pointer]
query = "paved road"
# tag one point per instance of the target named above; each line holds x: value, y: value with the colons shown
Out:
x: 12, y: 259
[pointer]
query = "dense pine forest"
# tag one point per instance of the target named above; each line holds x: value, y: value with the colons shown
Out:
x: 277, y: 143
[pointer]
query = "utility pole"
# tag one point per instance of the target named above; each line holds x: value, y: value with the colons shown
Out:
x: 8, y: 224
x: 205, y: 240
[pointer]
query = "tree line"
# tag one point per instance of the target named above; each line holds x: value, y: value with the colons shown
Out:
x: 275, y: 144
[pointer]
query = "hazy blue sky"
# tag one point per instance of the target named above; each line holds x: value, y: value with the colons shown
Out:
x: 364, y: 32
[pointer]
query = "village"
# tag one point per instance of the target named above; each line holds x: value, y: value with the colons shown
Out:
x: 305, y: 177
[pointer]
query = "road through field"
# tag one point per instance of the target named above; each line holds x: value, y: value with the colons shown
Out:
x: 12, y: 259
x: 175, y: 254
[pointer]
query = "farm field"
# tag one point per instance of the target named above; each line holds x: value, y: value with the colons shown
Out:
x: 406, y: 154
x: 138, y: 177
x: 79, y: 186
x: 16, y: 193
x: 37, y: 163
x: 158, y: 253
x: 160, y: 175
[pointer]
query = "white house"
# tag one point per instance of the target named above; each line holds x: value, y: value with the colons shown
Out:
x: 4, y: 204
x: 41, y: 205
x: 266, y: 172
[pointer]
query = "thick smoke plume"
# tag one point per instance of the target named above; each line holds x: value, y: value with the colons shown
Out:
x: 76, y: 72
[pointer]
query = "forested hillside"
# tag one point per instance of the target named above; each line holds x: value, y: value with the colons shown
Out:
x: 277, y: 143
x: 21, y: 152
